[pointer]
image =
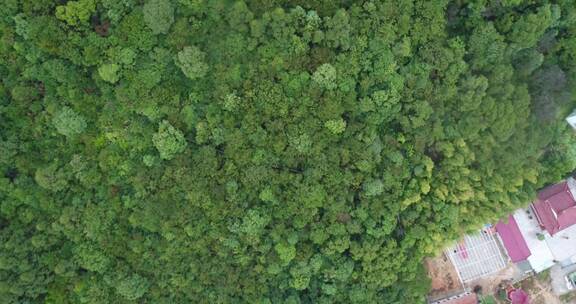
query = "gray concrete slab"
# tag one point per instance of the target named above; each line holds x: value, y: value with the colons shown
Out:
x: 557, y: 274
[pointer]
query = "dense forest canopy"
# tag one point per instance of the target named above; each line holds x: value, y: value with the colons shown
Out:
x: 268, y: 151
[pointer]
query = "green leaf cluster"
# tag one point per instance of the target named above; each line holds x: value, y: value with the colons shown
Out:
x: 158, y: 15
x: 76, y: 12
x: 68, y: 122
x: 168, y: 140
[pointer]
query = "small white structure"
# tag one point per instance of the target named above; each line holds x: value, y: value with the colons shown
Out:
x: 476, y: 256
x: 571, y: 119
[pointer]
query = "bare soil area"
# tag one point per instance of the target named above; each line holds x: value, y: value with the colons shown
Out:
x: 491, y: 283
x: 444, y: 277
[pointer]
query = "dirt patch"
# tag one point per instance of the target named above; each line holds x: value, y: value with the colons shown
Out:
x: 569, y: 298
x: 538, y: 288
x: 540, y: 291
x: 444, y: 277
x: 490, y: 284
x: 445, y: 282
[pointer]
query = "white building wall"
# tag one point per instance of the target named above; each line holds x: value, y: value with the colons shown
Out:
x: 541, y: 257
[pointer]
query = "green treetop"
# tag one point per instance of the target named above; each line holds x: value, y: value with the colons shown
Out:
x: 168, y: 140
x: 68, y: 122
x: 191, y: 61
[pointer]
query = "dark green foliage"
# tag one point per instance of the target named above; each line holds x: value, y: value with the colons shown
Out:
x: 268, y: 151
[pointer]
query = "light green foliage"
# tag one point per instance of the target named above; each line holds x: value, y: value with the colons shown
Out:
x: 51, y: 178
x: 251, y: 226
x: 92, y: 259
x: 158, y: 15
x: 109, y: 72
x: 300, y: 277
x: 149, y: 160
x: 231, y: 102
x: 336, y: 126
x: 511, y: 2
x: 302, y: 143
x: 127, y: 56
x: 325, y: 76
x: 373, y: 187
x: 285, y: 252
x: 202, y: 133
x: 266, y: 195
x: 76, y: 12
x: 116, y: 9
x: 132, y: 287
x: 168, y: 140
x: 529, y: 28
x: 21, y: 25
x: 68, y: 122
x: 191, y: 61
x: 333, y: 144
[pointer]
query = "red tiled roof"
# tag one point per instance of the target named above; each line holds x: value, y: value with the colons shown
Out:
x: 567, y: 218
x: 555, y: 208
x: 552, y: 190
x: 513, y: 240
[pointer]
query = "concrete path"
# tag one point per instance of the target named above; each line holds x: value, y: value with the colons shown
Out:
x: 557, y: 274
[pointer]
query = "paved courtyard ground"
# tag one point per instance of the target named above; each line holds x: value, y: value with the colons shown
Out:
x: 557, y: 274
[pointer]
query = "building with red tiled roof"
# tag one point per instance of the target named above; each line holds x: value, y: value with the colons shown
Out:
x: 513, y: 240
x: 545, y: 233
x: 555, y: 207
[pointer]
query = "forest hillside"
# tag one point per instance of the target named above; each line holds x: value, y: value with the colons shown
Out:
x: 268, y: 151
